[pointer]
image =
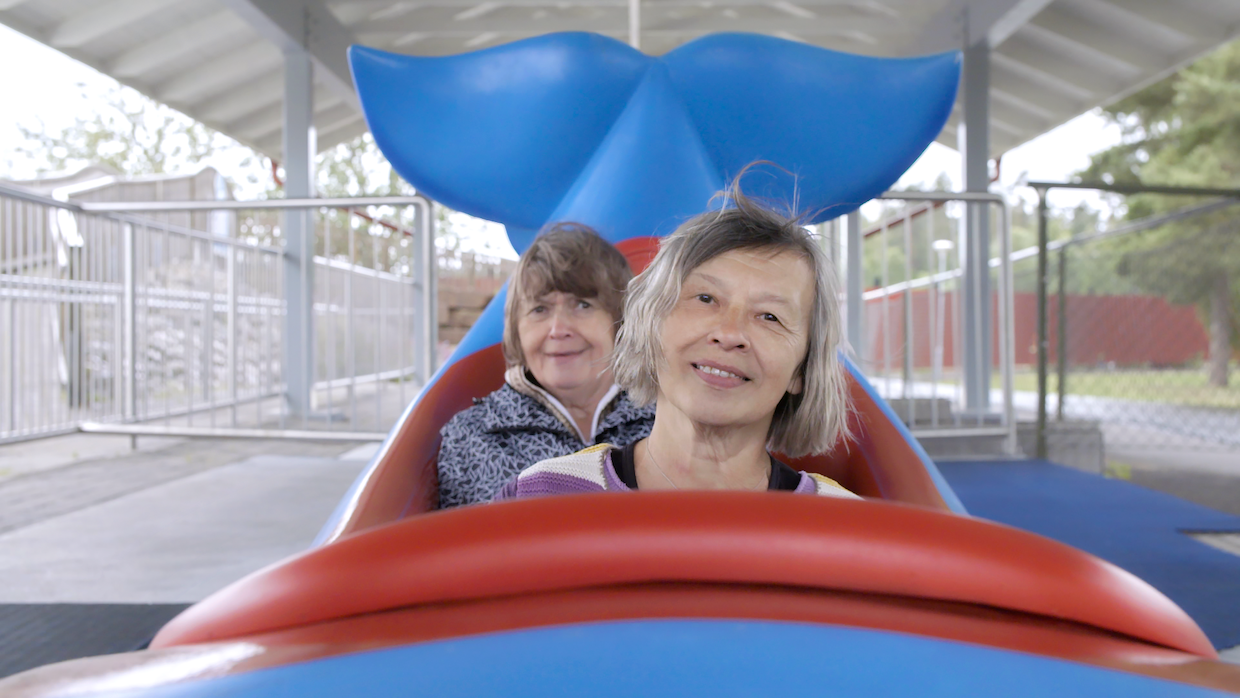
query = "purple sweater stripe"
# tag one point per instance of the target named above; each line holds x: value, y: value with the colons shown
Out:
x: 543, y: 483
x: 539, y: 484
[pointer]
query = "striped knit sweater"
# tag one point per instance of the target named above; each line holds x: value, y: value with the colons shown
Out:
x: 592, y: 470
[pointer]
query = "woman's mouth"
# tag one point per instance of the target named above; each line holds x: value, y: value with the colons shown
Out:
x: 719, y: 376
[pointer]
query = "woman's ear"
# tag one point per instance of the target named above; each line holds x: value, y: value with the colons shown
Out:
x: 797, y: 384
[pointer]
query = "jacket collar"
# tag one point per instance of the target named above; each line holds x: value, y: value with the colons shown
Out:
x: 519, y: 378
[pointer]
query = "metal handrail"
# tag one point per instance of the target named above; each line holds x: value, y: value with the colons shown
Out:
x: 1005, y: 293
x: 124, y: 294
x: 230, y: 205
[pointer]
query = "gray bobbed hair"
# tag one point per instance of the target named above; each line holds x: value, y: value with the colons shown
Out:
x: 810, y: 422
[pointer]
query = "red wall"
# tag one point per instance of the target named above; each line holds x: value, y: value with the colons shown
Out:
x: 1128, y: 330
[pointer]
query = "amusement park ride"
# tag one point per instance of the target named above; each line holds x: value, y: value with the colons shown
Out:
x: 681, y: 593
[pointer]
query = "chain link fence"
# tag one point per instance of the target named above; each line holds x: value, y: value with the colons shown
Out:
x: 1140, y: 331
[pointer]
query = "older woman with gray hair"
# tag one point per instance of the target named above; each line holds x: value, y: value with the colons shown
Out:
x: 732, y: 333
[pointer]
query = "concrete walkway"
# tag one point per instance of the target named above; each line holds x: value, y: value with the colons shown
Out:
x: 169, y: 523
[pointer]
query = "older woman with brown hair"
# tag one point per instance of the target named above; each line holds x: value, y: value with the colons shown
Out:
x: 732, y: 333
x: 560, y: 320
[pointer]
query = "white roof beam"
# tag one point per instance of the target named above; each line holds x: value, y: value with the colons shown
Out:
x: 336, y: 117
x: 477, y: 11
x: 326, y: 138
x: 998, y: 127
x: 192, y: 37
x: 964, y: 23
x: 1018, y: 115
x: 1192, y: 25
x: 1083, y: 55
x: 1025, y: 50
x: 387, y: 10
x: 246, y: 99
x: 1008, y: 72
x: 343, y: 133
x: 614, y: 21
x: 270, y: 119
x: 1080, y: 31
x: 101, y: 20
x: 264, y: 122
x: 1035, y: 93
x: 216, y: 76
x: 308, y: 25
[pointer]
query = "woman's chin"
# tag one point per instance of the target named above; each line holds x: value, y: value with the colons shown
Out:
x: 563, y: 384
x: 715, y: 419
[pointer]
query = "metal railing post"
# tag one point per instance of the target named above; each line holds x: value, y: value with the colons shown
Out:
x: 1062, y: 344
x: 417, y: 280
x: 208, y: 335
x: 430, y: 293
x: 1040, y: 448
x: 129, y: 278
x: 909, y: 344
x: 10, y: 378
x: 231, y: 270
x: 1007, y: 327
x: 855, y: 286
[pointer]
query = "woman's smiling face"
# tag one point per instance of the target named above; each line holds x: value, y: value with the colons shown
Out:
x: 734, y: 341
x: 566, y: 341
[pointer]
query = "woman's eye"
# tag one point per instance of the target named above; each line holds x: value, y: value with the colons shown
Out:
x: 705, y: 297
x: 538, y: 309
x: 584, y: 305
x: 769, y: 317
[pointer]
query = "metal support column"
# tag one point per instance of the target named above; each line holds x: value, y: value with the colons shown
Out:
x: 635, y: 24
x: 299, y: 147
x: 974, y: 145
x: 855, y: 286
x: 1040, y: 447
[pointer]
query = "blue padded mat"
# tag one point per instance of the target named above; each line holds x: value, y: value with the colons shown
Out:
x: 1131, y: 526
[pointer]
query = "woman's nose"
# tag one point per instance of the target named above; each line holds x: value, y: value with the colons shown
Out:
x: 729, y: 333
x: 561, y: 323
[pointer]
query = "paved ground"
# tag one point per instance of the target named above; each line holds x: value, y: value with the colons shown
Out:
x: 178, y: 541
x: 85, y: 520
x: 38, y: 491
x: 166, y: 525
x: 1207, y: 476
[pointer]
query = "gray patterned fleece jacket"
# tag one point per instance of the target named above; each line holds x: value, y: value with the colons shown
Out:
x: 517, y: 426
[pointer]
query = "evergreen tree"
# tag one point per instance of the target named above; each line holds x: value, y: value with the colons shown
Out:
x: 1183, y: 131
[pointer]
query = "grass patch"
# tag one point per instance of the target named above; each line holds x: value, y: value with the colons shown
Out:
x: 1169, y: 386
x: 1117, y: 470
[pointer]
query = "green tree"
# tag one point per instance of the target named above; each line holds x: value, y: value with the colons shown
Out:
x: 125, y: 130
x: 1183, y: 131
x: 358, y: 168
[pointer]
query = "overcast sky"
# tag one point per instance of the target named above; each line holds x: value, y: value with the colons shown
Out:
x: 46, y: 88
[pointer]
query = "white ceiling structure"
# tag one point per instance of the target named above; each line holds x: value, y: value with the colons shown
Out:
x: 221, y: 61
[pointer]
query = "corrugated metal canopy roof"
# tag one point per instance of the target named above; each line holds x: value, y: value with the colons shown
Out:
x: 220, y: 61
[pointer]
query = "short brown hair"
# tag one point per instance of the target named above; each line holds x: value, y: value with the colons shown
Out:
x: 569, y: 258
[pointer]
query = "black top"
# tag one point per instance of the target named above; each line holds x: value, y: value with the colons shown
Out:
x: 783, y: 477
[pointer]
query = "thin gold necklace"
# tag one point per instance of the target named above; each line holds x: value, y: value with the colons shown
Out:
x: 669, y: 480
x: 656, y: 466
